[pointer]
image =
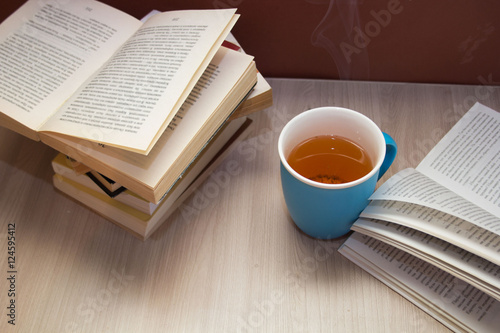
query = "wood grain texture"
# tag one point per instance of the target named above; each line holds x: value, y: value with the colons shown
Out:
x: 230, y: 259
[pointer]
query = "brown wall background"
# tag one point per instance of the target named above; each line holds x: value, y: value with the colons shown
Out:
x: 434, y: 41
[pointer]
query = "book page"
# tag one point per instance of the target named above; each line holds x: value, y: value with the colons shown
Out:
x: 215, y: 93
x: 412, y: 186
x: 467, y: 159
x: 450, y: 300
x: 454, y: 230
x: 472, y: 268
x: 48, y: 49
x: 132, y: 99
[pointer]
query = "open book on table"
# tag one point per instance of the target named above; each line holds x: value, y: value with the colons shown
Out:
x: 221, y: 89
x: 433, y: 233
x: 85, y: 70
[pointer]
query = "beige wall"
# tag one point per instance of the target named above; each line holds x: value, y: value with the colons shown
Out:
x: 449, y: 41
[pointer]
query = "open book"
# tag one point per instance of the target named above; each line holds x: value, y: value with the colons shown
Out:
x: 433, y: 233
x: 228, y: 80
x: 85, y: 70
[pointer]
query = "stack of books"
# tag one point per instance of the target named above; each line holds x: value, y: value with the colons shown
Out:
x: 140, y: 111
x: 129, y: 210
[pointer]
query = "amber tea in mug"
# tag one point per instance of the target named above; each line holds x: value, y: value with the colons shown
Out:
x: 325, y: 210
x: 330, y: 159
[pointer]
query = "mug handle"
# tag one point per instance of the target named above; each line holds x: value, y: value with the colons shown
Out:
x: 390, y: 154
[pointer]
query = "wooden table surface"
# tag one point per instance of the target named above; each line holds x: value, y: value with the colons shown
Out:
x: 230, y: 259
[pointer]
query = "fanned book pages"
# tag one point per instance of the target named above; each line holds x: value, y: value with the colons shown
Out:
x: 82, y: 69
x: 450, y: 300
x: 445, y: 213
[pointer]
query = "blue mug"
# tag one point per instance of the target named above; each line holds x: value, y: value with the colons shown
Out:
x: 327, y: 211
